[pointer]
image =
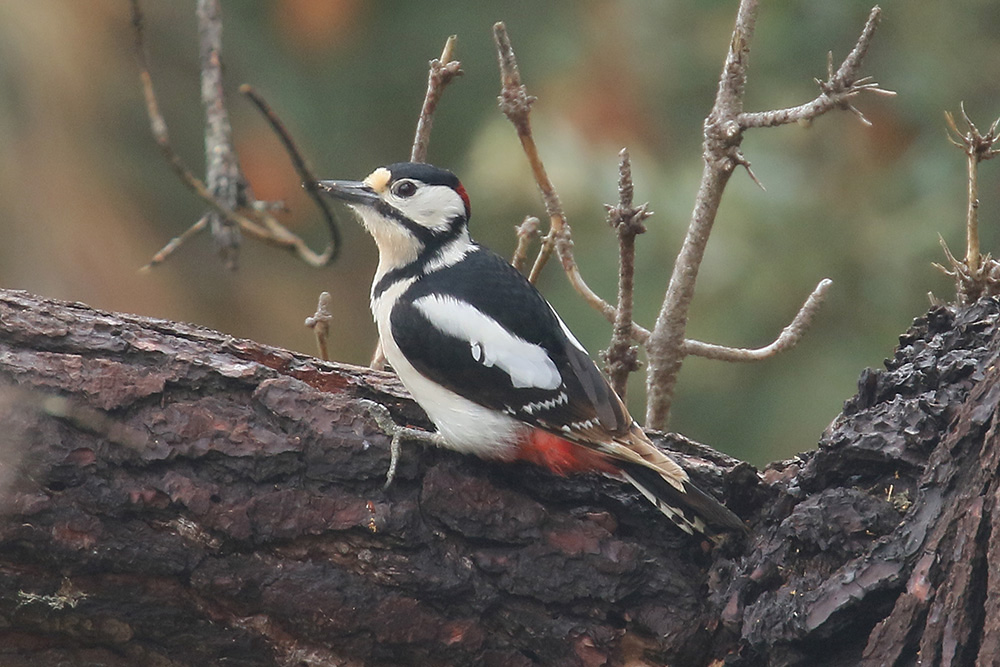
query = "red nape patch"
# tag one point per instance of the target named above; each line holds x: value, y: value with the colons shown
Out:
x: 465, y: 198
x: 560, y: 456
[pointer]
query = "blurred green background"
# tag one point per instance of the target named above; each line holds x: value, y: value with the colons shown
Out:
x: 86, y: 198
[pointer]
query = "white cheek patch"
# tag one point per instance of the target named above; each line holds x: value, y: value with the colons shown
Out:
x: 527, y: 364
x: 433, y: 206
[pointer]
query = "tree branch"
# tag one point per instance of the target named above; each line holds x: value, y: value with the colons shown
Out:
x: 621, y: 357
x: 233, y: 208
x: 319, y: 322
x: 222, y: 168
x: 723, y: 134
x: 836, y: 92
x: 308, y: 179
x: 515, y: 103
x: 977, y: 274
x: 526, y: 233
x: 441, y: 72
x: 787, y: 339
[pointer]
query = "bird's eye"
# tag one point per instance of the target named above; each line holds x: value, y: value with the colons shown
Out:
x: 404, y: 189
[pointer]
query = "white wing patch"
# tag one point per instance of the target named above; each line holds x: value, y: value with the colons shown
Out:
x: 527, y: 364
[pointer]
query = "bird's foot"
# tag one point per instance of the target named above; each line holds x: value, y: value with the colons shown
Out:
x: 385, y: 422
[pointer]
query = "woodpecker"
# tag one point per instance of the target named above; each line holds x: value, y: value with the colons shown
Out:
x: 487, y: 357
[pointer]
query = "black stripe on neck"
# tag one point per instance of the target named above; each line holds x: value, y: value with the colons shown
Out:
x: 433, y: 243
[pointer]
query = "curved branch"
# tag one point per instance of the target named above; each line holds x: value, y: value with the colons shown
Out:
x: 787, y: 339
x: 257, y: 222
x: 307, y: 177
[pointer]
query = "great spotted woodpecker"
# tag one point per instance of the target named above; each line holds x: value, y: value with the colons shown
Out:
x: 487, y: 357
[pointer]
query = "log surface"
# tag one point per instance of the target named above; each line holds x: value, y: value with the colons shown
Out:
x: 170, y: 495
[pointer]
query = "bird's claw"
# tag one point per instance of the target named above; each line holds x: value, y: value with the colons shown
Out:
x: 388, y: 426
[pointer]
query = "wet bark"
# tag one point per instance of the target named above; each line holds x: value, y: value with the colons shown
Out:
x: 171, y: 495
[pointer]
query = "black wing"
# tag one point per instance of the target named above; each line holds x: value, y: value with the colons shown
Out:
x: 582, y: 401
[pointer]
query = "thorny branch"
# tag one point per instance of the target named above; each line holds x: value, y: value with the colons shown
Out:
x: 978, y: 274
x: 232, y: 206
x: 441, y: 71
x: 836, y: 92
x: 724, y: 129
x: 622, y: 357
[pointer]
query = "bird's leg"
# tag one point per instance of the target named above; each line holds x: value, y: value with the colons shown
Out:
x: 385, y: 422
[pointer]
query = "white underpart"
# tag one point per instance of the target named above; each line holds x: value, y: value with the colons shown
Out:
x: 528, y: 365
x: 432, y: 206
x: 466, y: 426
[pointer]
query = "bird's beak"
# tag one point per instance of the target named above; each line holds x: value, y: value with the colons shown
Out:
x: 351, y: 192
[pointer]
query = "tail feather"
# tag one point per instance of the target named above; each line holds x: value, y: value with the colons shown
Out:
x: 692, y: 509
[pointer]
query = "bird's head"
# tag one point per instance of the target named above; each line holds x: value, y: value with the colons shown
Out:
x: 409, y: 208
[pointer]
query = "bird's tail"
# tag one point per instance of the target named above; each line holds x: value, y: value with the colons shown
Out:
x: 689, y: 507
x: 669, y: 488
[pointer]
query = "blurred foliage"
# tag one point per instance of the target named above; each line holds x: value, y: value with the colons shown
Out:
x: 85, y: 197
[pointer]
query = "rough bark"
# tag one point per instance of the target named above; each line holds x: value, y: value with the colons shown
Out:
x: 171, y: 495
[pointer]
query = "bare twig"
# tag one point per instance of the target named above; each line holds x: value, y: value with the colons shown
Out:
x: 787, y: 339
x: 723, y: 133
x: 442, y: 71
x: 319, y: 322
x: 309, y: 180
x: 256, y: 221
x: 162, y: 137
x: 515, y: 103
x: 621, y: 357
x: 222, y: 167
x: 175, y: 243
x: 837, y: 91
x: 527, y: 232
x: 977, y: 274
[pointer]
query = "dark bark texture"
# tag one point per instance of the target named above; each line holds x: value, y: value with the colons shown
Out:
x: 171, y: 495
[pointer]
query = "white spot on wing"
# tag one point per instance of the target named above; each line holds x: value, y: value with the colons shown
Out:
x: 527, y: 364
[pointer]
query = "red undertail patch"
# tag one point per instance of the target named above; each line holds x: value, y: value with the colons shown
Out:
x: 560, y: 456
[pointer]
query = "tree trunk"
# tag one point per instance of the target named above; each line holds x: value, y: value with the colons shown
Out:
x: 171, y: 495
